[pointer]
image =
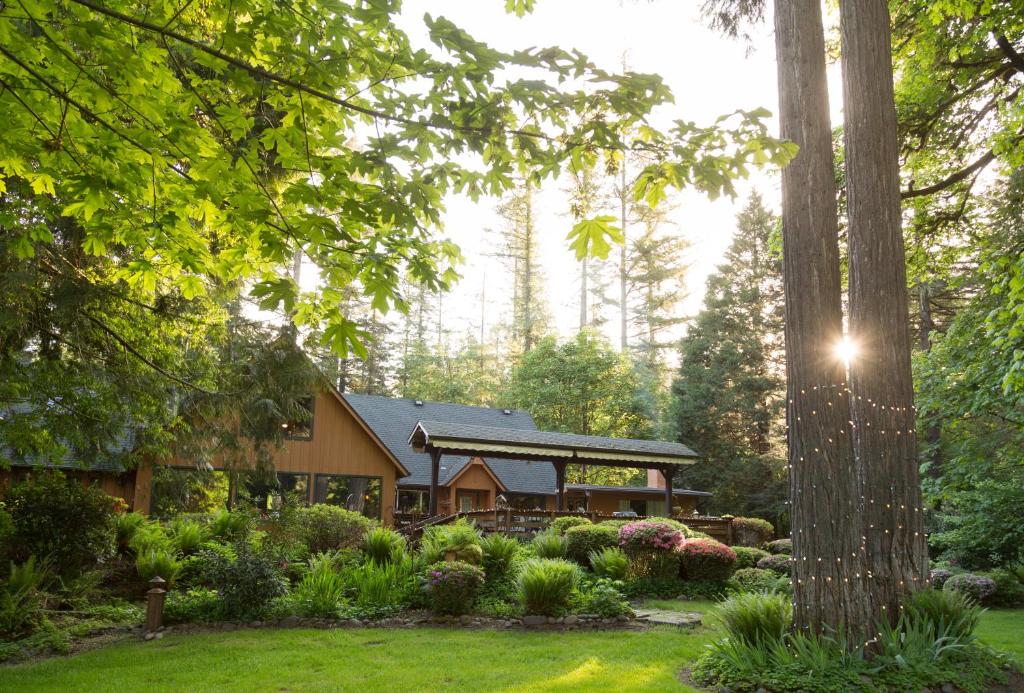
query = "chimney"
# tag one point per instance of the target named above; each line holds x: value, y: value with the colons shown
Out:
x: 655, y: 478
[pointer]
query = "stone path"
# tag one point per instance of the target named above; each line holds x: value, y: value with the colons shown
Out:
x: 682, y: 619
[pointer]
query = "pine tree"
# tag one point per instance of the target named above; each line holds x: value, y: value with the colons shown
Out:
x: 730, y: 384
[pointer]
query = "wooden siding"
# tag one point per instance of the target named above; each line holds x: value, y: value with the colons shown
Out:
x: 474, y: 478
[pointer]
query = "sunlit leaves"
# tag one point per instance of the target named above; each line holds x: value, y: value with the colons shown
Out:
x: 593, y: 237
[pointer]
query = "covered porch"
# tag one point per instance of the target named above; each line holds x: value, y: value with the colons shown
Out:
x: 439, y: 438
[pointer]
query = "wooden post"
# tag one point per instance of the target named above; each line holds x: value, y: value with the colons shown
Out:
x: 155, y: 604
x: 668, y: 471
x: 560, y: 485
x: 435, y: 470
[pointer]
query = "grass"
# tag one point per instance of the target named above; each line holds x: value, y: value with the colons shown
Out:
x: 406, y: 660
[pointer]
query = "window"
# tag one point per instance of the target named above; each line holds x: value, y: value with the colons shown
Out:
x: 360, y: 494
x: 284, y: 487
x: 413, y: 501
x: 300, y: 426
x: 517, y: 502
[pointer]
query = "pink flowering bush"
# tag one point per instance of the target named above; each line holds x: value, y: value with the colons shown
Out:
x: 651, y: 546
x: 706, y: 559
x: 452, y: 587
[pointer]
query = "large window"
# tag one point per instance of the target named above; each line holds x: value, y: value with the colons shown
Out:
x: 300, y: 426
x: 650, y: 508
x: 284, y: 487
x: 360, y: 494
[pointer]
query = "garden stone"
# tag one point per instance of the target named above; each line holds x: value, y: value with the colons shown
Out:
x: 948, y: 688
x: 534, y: 620
x: 622, y: 618
x: 465, y: 619
x: 683, y: 619
x: 291, y: 621
x: 149, y: 636
x: 571, y: 620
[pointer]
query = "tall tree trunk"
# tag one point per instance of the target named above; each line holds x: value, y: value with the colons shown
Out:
x: 823, y: 481
x: 528, y: 260
x: 583, y: 294
x: 933, y: 433
x: 880, y: 380
x: 623, y: 311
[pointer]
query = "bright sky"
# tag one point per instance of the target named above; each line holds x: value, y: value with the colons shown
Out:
x: 709, y: 75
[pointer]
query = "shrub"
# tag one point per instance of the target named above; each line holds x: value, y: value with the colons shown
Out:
x: 939, y: 577
x: 757, y: 580
x: 672, y: 588
x: 60, y: 521
x: 650, y: 536
x: 780, y: 546
x: 150, y: 536
x: 231, y: 526
x: 550, y: 544
x: 610, y: 562
x: 248, y: 584
x: 153, y: 563
x: 747, y: 557
x: 187, y: 536
x: 778, y: 563
x: 451, y: 588
x: 125, y: 527
x: 949, y: 613
x: 499, y: 553
x: 756, y: 619
x: 706, y: 559
x: 383, y: 545
x: 604, y: 598
x: 562, y: 524
x: 1009, y: 589
x: 321, y: 592
x: 977, y: 587
x: 460, y: 537
x: 387, y: 586
x: 196, y: 604
x: 546, y: 585
x: 583, y: 540
x: 752, y: 531
x: 200, y: 569
x: 21, y: 602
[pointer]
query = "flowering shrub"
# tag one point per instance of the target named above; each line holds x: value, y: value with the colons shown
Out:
x: 752, y: 531
x: 747, y: 557
x: 780, y: 546
x: 452, y: 588
x: 939, y: 577
x: 706, y: 559
x: 977, y: 587
x: 650, y: 536
x: 781, y: 564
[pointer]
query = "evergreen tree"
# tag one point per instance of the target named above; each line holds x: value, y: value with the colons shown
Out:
x: 729, y: 388
x: 530, y: 319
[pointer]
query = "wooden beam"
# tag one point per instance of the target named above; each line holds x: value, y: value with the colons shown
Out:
x: 668, y: 472
x: 435, y: 470
x: 560, y: 484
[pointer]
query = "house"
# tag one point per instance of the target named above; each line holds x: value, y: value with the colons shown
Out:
x: 355, y: 451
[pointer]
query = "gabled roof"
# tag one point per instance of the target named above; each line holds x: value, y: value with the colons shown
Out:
x: 452, y: 478
x: 478, y: 439
x: 392, y: 418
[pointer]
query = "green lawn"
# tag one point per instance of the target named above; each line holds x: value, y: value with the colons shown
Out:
x: 403, y: 660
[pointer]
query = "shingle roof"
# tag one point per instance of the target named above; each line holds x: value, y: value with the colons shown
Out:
x: 634, y: 489
x: 483, y: 433
x: 393, y: 418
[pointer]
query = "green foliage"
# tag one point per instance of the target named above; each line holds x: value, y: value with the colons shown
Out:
x: 322, y: 590
x: 976, y: 587
x: 193, y: 605
x: 150, y: 536
x: 747, y: 557
x: 949, y: 613
x: 562, y: 524
x: 759, y: 580
x: 21, y: 600
x: 461, y: 537
x: 1009, y: 589
x: 672, y: 588
x: 383, y: 545
x: 500, y: 552
x: 756, y: 619
x: 201, y: 569
x: 780, y: 564
x: 231, y: 525
x: 752, y: 531
x: 328, y: 527
x: 550, y: 544
x: 452, y: 588
x: 729, y: 391
x: 780, y: 547
x: 248, y: 584
x: 126, y: 525
x: 154, y: 562
x: 546, y: 585
x: 60, y: 521
x: 384, y: 587
x: 586, y: 539
x: 610, y: 562
x: 187, y: 536
x: 602, y: 597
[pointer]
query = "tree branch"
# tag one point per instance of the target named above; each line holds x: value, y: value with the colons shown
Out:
x: 1015, y: 58
x: 952, y: 179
